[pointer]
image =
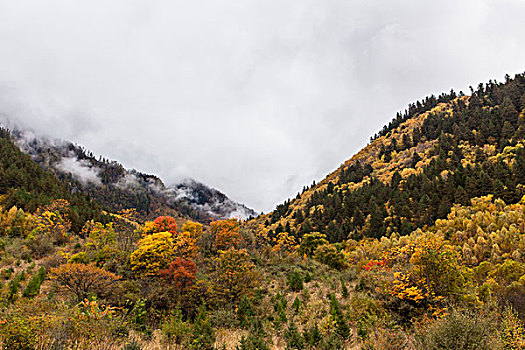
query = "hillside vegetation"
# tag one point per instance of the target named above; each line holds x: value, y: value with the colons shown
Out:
x: 439, y: 152
x: 417, y: 242
x: 27, y: 186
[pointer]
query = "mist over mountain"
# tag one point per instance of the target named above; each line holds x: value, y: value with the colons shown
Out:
x: 119, y: 188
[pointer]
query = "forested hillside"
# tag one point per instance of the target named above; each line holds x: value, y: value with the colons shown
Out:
x: 417, y: 242
x: 440, y: 151
x: 117, y: 188
x: 27, y: 186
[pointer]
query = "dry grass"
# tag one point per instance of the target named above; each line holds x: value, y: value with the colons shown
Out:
x: 229, y: 338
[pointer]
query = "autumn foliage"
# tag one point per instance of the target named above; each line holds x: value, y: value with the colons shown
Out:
x: 100, y: 241
x: 285, y: 244
x: 180, y: 273
x: 160, y: 224
x: 186, y: 241
x: 84, y: 280
x: 226, y: 233
x: 52, y: 221
x: 236, y: 273
x: 417, y: 242
x: 165, y: 224
x: 310, y: 242
x: 154, y: 253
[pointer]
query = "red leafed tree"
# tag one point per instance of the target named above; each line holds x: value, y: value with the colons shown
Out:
x: 165, y: 224
x: 181, y: 273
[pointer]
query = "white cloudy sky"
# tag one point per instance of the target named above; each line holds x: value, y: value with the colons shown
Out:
x: 254, y: 97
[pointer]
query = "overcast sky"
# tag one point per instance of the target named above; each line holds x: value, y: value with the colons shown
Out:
x: 254, y: 98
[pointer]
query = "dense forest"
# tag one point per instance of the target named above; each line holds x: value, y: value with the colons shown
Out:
x: 416, y: 242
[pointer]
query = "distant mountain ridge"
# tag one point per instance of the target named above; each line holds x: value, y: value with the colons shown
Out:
x: 118, y: 188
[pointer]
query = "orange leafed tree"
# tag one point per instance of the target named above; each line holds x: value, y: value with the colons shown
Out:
x: 181, y: 273
x: 186, y: 241
x: 226, y: 233
x: 84, y: 280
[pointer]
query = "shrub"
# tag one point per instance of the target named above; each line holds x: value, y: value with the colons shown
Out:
x: 459, y: 330
x: 203, y: 335
x: 313, y: 335
x: 19, y: 334
x: 84, y: 280
x: 329, y: 255
x: 14, y: 285
x: 139, y: 315
x: 310, y: 242
x: 174, y: 329
x: 296, y: 305
x: 245, y: 312
x: 331, y: 342
x: 252, y: 342
x: 307, y: 277
x: 39, y: 246
x: 92, y: 322
x: 512, y: 331
x: 133, y: 345
x: 342, y: 327
x: 389, y: 338
x: 344, y: 289
x: 295, y: 281
x: 294, y: 339
x: 7, y: 273
x: 226, y: 317
x: 279, y: 306
x: 33, y: 287
x: 513, y: 295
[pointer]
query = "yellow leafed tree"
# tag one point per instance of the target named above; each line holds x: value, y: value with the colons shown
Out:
x: 236, y: 275
x: 155, y: 252
x: 285, y: 244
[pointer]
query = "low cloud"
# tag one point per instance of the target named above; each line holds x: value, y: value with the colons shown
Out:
x: 255, y: 98
x: 81, y: 170
x: 128, y: 181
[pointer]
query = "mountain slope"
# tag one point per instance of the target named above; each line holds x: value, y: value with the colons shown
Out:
x: 28, y: 186
x: 118, y: 188
x: 441, y: 151
x: 220, y: 286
